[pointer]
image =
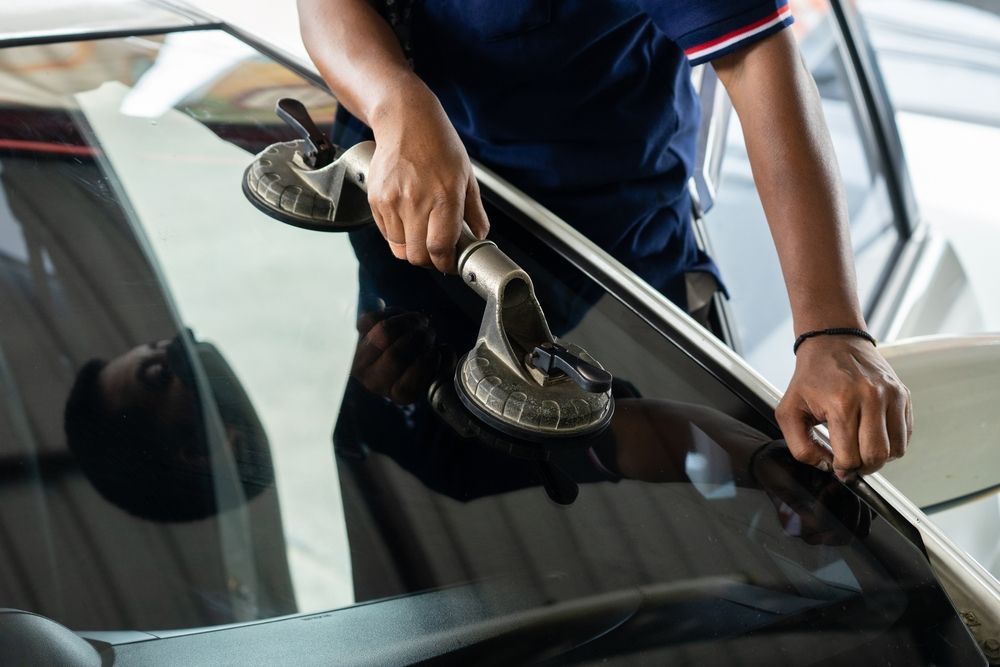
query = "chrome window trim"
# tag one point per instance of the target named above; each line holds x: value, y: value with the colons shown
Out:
x: 886, y: 318
x: 880, y: 111
x: 871, y: 104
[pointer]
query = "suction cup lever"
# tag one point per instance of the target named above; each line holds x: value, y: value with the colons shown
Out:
x: 552, y: 357
x: 319, y: 151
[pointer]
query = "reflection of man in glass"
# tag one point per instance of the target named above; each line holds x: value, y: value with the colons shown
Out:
x: 136, y: 426
x: 410, y: 331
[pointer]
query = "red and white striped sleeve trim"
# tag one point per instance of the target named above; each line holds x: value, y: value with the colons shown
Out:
x: 728, y: 42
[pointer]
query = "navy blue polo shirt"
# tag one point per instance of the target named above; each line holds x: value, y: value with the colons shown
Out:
x: 587, y: 105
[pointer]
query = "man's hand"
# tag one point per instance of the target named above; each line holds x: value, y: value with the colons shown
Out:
x: 396, y: 357
x: 845, y: 383
x: 421, y: 182
x: 840, y: 381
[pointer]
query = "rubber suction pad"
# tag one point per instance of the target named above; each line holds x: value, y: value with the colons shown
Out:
x: 525, y: 409
x: 277, y: 187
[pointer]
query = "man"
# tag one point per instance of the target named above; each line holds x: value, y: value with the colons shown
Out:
x: 135, y: 426
x: 588, y: 106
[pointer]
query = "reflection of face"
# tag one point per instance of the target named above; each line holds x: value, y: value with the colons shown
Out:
x: 143, y: 379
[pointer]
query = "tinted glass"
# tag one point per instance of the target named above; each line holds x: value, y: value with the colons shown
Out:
x: 256, y: 438
x: 741, y: 241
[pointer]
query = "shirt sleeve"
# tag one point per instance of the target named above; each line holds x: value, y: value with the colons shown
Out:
x: 707, y: 29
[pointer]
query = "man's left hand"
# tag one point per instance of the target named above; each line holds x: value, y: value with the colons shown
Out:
x: 847, y: 384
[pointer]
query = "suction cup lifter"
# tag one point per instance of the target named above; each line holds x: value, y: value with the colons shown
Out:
x: 310, y: 183
x: 518, y: 378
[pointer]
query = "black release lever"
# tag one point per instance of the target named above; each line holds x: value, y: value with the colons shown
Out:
x: 319, y: 151
x: 550, y: 357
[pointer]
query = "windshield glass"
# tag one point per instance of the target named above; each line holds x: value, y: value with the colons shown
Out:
x: 209, y: 417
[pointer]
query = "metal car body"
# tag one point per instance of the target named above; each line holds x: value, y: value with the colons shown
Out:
x: 427, y: 538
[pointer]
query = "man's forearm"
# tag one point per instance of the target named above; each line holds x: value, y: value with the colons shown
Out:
x: 841, y: 381
x: 796, y: 174
x: 358, y: 56
x: 420, y: 183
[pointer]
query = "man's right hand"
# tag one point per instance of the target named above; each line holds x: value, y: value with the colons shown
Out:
x: 421, y: 183
x: 397, y: 357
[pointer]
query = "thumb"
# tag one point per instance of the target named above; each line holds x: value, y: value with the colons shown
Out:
x: 475, y: 214
x: 796, y: 425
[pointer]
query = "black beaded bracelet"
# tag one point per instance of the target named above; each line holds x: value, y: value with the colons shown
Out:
x: 835, y: 331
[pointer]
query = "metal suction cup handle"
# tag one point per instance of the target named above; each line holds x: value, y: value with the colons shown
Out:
x: 320, y: 151
x: 551, y: 357
x: 467, y: 241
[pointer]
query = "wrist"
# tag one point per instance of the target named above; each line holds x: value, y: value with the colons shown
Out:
x: 832, y: 318
x: 850, y: 334
x: 404, y: 94
x: 832, y: 303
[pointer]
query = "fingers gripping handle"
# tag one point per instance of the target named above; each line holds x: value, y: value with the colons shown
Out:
x: 466, y: 242
x: 326, y: 166
x: 488, y: 272
x: 357, y: 161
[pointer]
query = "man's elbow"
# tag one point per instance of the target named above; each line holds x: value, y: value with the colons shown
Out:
x: 729, y: 67
x: 756, y: 62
